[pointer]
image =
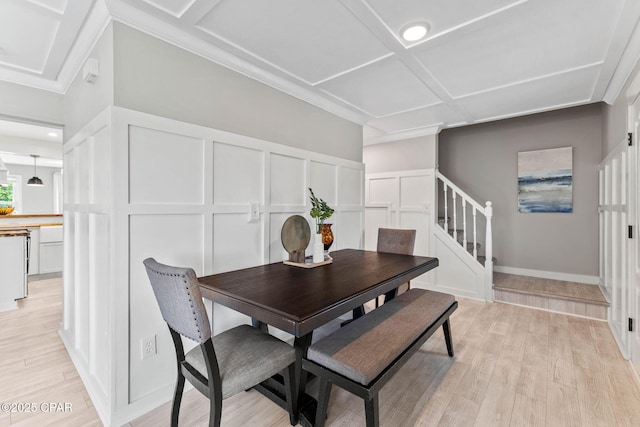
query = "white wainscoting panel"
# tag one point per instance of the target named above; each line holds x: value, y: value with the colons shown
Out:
x: 69, y: 295
x: 165, y: 168
x: 87, y: 330
x: 100, y: 172
x: 348, y: 230
x: 237, y: 174
x: 84, y: 152
x: 382, y: 190
x: 173, y: 240
x: 70, y: 191
x: 351, y: 186
x: 81, y: 273
x: 237, y: 243
x: 99, y: 274
x: 418, y: 220
x: 402, y: 199
x: 414, y: 191
x: 288, y: 177
x: 323, y: 182
x: 139, y: 186
x: 374, y: 218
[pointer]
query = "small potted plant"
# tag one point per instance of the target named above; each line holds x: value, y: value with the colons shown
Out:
x: 321, y: 211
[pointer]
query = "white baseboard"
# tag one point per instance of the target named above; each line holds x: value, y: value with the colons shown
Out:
x: 96, y: 398
x: 123, y: 415
x: 6, y: 306
x: 554, y: 275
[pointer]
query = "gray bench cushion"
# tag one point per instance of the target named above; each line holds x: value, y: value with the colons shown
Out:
x: 246, y: 356
x: 365, y: 347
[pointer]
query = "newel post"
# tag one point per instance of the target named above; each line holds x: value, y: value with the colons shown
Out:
x: 488, y: 263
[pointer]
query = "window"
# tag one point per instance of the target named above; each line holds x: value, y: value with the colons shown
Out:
x: 11, y: 195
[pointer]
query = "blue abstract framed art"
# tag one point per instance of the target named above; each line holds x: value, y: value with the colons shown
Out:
x: 545, y: 180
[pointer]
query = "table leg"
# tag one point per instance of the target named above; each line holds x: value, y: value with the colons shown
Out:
x: 260, y: 325
x: 306, y: 404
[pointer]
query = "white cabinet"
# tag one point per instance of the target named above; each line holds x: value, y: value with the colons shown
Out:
x: 51, y: 249
x: 13, y: 276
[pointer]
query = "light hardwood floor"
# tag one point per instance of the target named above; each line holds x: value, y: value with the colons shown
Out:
x: 513, y: 366
x: 34, y: 365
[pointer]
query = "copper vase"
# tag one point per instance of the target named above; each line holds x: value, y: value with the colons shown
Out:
x: 327, y: 236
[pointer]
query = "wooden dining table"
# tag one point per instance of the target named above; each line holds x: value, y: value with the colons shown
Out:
x: 299, y: 300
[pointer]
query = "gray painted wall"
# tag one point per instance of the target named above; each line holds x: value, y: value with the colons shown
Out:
x: 158, y: 78
x: 409, y: 154
x: 35, y: 200
x: 83, y: 101
x: 482, y: 161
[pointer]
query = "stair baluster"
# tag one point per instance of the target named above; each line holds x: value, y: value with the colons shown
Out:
x: 488, y: 263
x: 455, y: 219
x: 486, y: 260
x: 446, y: 214
x: 464, y: 224
x: 475, y: 235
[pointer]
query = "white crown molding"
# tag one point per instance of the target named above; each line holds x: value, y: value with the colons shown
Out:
x: 34, y: 81
x: 399, y: 136
x: 157, y: 28
x: 91, y: 31
x: 626, y: 65
x: 529, y: 80
x: 532, y: 111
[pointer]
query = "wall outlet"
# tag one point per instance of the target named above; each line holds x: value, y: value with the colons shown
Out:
x: 148, y: 347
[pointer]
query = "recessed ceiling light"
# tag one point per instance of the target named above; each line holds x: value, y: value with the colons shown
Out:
x: 52, y: 134
x: 415, y: 32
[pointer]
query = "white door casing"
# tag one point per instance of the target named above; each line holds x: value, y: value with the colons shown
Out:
x: 634, y: 243
x: 614, y: 245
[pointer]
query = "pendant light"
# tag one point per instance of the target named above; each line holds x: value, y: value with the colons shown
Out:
x: 35, y: 181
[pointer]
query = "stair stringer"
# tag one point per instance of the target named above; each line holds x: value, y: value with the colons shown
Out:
x: 458, y: 272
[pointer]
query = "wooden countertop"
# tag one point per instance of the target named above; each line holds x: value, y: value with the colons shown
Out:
x: 28, y: 215
x: 26, y: 225
x: 16, y: 232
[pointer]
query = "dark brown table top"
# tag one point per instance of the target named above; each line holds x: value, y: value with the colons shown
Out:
x: 299, y: 300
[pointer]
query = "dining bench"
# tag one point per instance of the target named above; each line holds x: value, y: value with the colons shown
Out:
x: 364, y: 355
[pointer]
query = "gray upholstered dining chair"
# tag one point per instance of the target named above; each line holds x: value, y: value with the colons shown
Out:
x: 222, y: 365
x: 396, y: 241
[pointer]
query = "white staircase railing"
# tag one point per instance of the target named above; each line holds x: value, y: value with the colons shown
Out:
x: 451, y: 194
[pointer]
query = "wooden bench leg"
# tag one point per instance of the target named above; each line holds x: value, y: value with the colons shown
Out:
x: 371, y: 411
x: 324, y: 393
x: 447, y: 337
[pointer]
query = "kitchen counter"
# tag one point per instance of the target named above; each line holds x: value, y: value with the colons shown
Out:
x: 46, y: 233
x: 27, y: 225
x: 30, y: 220
x: 14, y: 232
x: 28, y: 215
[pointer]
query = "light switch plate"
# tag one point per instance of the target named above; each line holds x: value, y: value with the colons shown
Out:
x: 254, y: 212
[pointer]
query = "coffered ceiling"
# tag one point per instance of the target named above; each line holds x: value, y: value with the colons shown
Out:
x: 481, y: 60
